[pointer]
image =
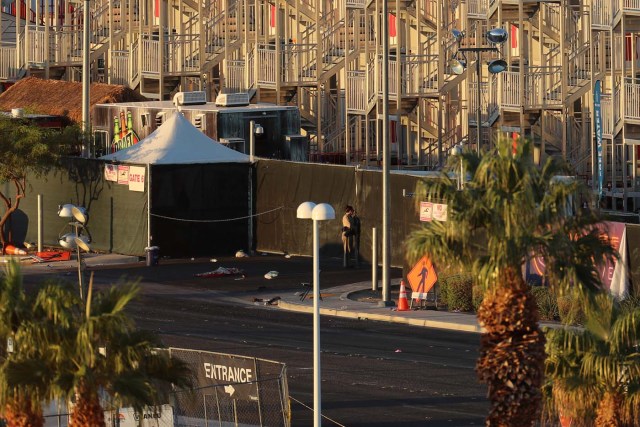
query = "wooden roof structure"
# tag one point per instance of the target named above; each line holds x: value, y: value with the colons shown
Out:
x: 61, y: 98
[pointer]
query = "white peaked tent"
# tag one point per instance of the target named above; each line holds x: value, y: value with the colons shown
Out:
x: 176, y: 142
x: 196, y: 187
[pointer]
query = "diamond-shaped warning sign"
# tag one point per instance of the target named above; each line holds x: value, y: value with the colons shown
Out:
x: 422, y: 276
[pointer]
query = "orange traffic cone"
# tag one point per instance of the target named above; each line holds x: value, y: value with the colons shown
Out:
x: 12, y: 250
x: 403, y: 304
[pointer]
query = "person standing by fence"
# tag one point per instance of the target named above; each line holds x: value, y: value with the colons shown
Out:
x: 347, y: 235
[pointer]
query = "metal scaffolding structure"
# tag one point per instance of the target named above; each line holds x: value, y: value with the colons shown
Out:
x: 325, y: 56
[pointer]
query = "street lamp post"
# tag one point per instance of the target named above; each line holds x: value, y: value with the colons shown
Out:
x: 254, y: 129
x: 317, y: 213
x: 496, y: 36
x: 75, y: 240
x: 457, y: 152
x: 86, y: 72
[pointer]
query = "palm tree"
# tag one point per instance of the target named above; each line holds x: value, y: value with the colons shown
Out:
x: 79, y: 352
x: 509, y: 211
x: 20, y: 405
x: 108, y: 355
x: 594, y: 372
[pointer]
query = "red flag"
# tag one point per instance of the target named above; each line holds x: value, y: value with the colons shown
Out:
x: 392, y: 25
x: 272, y: 19
x: 156, y: 10
x: 514, y: 37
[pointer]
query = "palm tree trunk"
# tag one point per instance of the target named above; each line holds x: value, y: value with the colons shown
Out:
x: 608, y: 412
x: 21, y: 413
x: 87, y: 412
x: 511, y: 352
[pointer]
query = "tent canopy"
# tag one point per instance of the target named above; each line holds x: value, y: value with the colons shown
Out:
x: 175, y: 142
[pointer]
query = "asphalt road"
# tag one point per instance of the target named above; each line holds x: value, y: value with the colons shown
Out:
x: 373, y: 374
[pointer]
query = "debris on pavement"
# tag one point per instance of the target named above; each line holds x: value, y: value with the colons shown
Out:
x: 270, y: 275
x: 265, y: 301
x: 241, y: 254
x: 220, y: 272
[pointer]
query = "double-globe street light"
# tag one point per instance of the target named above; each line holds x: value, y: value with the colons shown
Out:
x: 75, y: 240
x: 317, y: 213
x: 496, y: 36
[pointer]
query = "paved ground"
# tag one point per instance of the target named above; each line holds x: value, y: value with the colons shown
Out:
x: 345, y: 292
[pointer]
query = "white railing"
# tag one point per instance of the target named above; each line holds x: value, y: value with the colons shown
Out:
x: 299, y: 63
x: 579, y: 65
x: 631, y: 5
x: 181, y: 53
x: 631, y: 100
x: 35, y: 44
x: 510, y: 81
x: 235, y: 75
x: 478, y: 8
x: 392, y: 77
x: 602, y: 13
x: 150, y: 55
x: 616, y: 105
x: 543, y: 86
x: 606, y: 108
x: 266, y: 57
x: 119, y: 67
x: 429, y: 9
x: 357, y: 97
x: 372, y: 82
x: 419, y: 74
x: 552, y: 124
x: 484, y: 101
x: 251, y: 75
x: 356, y: 4
x: 333, y: 42
x: 134, y: 68
x: 551, y: 16
x: 65, y: 44
x: 8, y: 69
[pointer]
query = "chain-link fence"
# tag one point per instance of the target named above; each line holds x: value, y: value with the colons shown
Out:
x: 232, y: 390
x: 228, y: 390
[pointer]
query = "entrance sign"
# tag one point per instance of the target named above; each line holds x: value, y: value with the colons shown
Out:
x: 236, y: 375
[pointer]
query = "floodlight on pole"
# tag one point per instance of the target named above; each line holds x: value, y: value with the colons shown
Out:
x: 495, y: 36
x: 75, y: 240
x: 317, y: 213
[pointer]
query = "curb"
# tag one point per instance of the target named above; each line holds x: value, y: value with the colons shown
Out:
x: 381, y: 317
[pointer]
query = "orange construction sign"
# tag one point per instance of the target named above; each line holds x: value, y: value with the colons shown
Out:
x: 422, y: 276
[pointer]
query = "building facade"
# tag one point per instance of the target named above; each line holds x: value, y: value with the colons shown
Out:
x: 571, y: 71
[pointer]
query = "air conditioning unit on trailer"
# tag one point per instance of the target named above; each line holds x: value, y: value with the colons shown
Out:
x: 232, y: 99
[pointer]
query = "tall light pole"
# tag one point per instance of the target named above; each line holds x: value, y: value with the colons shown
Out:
x: 86, y: 127
x: 496, y: 36
x: 254, y: 129
x: 386, y: 232
x: 317, y: 213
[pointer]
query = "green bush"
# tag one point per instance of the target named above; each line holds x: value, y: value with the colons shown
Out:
x: 546, y: 301
x: 570, y: 310
x: 478, y: 296
x: 457, y: 293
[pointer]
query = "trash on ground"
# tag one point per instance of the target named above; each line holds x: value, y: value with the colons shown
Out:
x: 47, y: 256
x: 221, y: 272
x: 265, y: 301
x: 241, y: 254
x: 213, y: 260
x: 287, y: 256
x: 270, y: 275
x: 398, y: 351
